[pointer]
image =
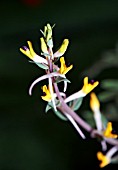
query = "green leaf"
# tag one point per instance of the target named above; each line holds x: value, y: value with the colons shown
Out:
x: 106, y: 96
x: 75, y: 104
x: 43, y: 66
x: 59, y: 114
x: 48, y: 107
x: 60, y: 79
x: 88, y: 116
x: 50, y: 43
x: 110, y: 84
x: 45, y: 54
x: 114, y: 160
x: 111, y: 112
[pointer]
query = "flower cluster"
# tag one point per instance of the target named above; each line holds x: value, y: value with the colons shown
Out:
x: 55, y: 70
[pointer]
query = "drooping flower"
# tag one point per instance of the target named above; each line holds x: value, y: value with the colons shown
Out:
x: 88, y: 87
x: 29, y: 52
x: 64, y: 69
x: 62, y: 49
x: 108, y: 132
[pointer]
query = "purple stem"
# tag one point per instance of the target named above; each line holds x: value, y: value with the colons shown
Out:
x: 65, y: 108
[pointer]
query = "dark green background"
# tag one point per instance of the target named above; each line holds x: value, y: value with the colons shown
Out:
x: 29, y: 138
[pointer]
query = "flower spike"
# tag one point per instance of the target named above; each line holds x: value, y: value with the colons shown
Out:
x: 29, y: 52
x: 64, y: 69
x: 66, y: 106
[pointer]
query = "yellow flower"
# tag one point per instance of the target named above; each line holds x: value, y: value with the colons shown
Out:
x: 88, y: 87
x: 94, y: 102
x: 63, y: 68
x: 104, y: 159
x: 47, y: 97
x: 29, y: 52
x: 43, y: 45
x: 62, y: 49
x: 108, y: 132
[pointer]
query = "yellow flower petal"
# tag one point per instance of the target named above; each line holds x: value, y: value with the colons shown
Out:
x: 88, y: 87
x: 45, y: 30
x: 104, y: 160
x: 63, y: 68
x: 108, y: 132
x: 49, y: 32
x: 26, y: 52
x: 62, y: 49
x: 43, y: 45
x: 29, y: 52
x: 94, y: 102
x: 64, y: 46
x: 47, y: 97
x: 31, y: 49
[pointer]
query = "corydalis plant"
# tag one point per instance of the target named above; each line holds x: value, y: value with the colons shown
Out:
x: 65, y: 106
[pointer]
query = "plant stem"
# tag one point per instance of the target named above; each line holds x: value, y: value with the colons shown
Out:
x: 93, y: 132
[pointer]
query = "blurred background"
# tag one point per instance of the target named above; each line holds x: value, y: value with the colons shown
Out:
x: 29, y: 138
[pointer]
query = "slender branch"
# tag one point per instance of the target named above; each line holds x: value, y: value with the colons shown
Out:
x: 93, y: 132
